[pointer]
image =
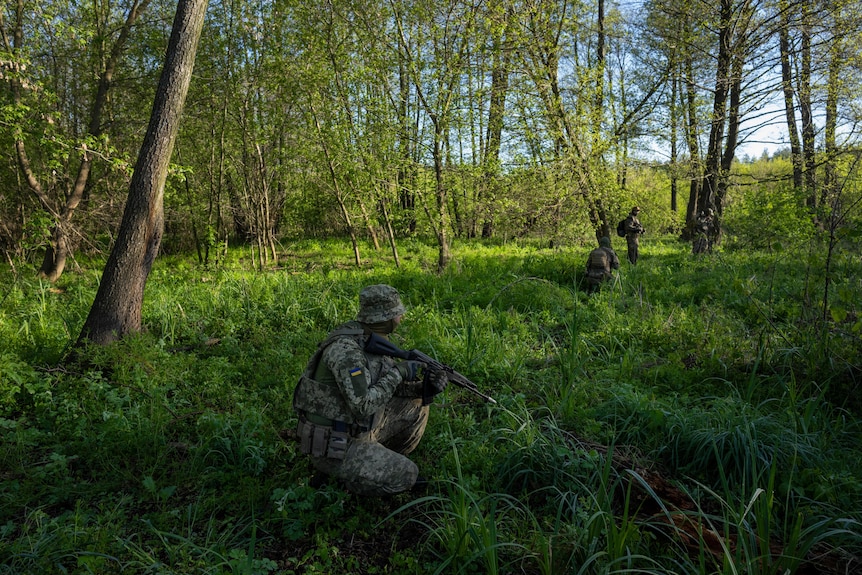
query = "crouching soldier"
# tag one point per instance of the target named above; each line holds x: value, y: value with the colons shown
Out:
x: 600, y: 264
x: 361, y: 414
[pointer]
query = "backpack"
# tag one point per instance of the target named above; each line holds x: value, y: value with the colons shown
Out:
x: 599, y: 263
x: 621, y: 229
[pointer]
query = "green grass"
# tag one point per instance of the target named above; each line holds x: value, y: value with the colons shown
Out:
x: 162, y: 453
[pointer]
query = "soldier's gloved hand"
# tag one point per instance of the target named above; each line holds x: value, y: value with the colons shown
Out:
x: 436, y: 381
x: 411, y: 370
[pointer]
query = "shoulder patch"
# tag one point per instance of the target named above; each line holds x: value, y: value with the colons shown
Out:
x: 358, y: 381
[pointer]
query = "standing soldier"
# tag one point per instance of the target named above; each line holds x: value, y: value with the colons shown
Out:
x: 601, y: 263
x: 360, y: 414
x: 633, y: 230
x: 702, y: 232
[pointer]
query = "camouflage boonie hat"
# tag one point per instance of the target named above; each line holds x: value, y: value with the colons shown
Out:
x: 379, y: 303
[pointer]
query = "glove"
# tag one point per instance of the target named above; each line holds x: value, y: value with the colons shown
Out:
x: 435, y: 381
x: 411, y: 370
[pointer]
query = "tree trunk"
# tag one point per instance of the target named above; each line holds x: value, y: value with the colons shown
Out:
x: 439, y: 221
x: 369, y: 225
x: 789, y: 106
x: 339, y: 196
x: 806, y: 114
x: 450, y: 48
x: 354, y: 134
x: 600, y: 221
x: 57, y: 248
x: 674, y: 154
x: 712, y: 168
x: 387, y: 221
x: 691, y: 136
x: 830, y: 171
x: 599, y: 100
x: 406, y: 138
x: 732, y: 38
x: 496, y: 114
x: 116, y: 310
x: 733, y: 119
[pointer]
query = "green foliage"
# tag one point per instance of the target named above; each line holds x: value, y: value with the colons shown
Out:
x: 771, y: 218
x: 17, y: 380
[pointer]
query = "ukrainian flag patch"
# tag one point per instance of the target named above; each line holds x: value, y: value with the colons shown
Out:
x: 355, y: 371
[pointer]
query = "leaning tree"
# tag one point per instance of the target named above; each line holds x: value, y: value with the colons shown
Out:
x: 116, y: 310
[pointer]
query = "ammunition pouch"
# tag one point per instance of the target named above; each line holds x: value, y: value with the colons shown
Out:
x: 330, y: 441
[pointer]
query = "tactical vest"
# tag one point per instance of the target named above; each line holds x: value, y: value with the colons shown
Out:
x: 599, y: 263
x: 317, y: 392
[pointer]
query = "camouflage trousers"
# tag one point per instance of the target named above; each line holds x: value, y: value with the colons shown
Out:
x: 596, y: 279
x: 701, y: 245
x: 632, y: 247
x: 376, y: 463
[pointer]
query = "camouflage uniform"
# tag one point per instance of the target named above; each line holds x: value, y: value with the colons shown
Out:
x: 601, y: 263
x: 360, y: 414
x: 702, y: 232
x: 633, y: 231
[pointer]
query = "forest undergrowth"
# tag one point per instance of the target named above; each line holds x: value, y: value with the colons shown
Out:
x: 699, y: 415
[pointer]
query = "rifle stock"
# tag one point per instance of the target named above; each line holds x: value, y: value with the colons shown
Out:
x: 381, y: 346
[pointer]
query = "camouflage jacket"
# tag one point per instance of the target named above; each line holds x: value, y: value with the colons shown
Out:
x: 342, y: 382
x: 601, y: 261
x: 633, y: 226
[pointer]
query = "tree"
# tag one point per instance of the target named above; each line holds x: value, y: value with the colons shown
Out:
x: 257, y: 198
x: 543, y: 27
x: 62, y: 209
x: 671, y: 32
x: 501, y: 19
x: 116, y: 310
x: 789, y: 92
x: 816, y: 65
x: 434, y: 65
x: 734, y: 25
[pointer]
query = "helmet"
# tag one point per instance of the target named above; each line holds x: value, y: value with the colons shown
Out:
x: 605, y: 241
x: 379, y: 303
x: 636, y: 209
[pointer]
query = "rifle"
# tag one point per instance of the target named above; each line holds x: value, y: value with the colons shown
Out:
x: 381, y: 346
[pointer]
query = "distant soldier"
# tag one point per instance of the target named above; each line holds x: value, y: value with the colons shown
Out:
x: 633, y: 229
x: 360, y: 414
x: 702, y: 232
x: 601, y: 263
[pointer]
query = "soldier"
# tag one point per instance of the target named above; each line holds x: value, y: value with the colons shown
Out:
x: 633, y: 229
x: 702, y: 232
x: 360, y: 414
x: 601, y: 263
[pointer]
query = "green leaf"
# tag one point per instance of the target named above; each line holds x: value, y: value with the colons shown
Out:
x: 838, y: 314
x: 149, y: 484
